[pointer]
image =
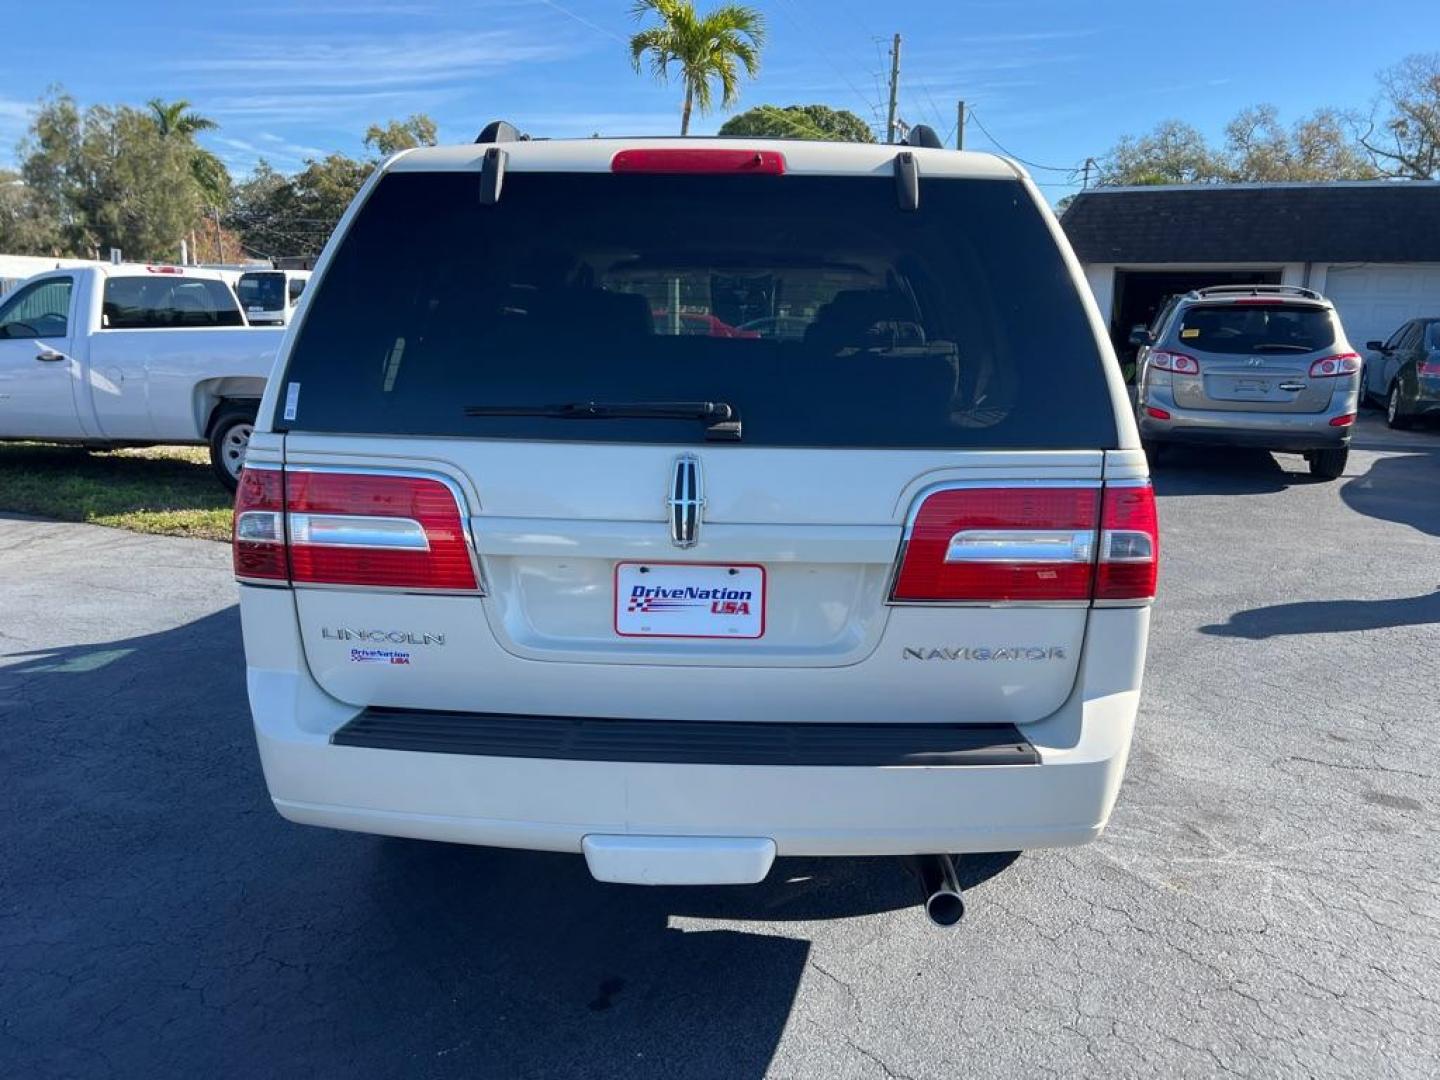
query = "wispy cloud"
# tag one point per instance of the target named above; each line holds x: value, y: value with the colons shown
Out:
x: 369, y: 62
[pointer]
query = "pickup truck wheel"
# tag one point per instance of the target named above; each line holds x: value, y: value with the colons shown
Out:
x: 229, y: 439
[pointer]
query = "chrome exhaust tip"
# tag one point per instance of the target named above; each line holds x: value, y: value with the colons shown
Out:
x: 941, y: 887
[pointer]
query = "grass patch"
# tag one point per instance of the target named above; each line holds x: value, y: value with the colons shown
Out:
x: 161, y: 489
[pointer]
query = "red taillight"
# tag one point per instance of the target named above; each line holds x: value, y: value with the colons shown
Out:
x: 1343, y: 421
x: 1031, y: 545
x: 1158, y: 414
x: 1129, y: 543
x: 1330, y: 367
x: 258, y: 537
x: 363, y: 529
x: 1178, y: 362
x: 997, y: 544
x: 699, y: 160
x: 1429, y: 368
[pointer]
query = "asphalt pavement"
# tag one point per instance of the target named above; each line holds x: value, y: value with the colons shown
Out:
x: 1266, y: 900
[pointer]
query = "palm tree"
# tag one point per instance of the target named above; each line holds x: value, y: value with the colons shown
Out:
x: 175, y: 118
x: 709, y: 47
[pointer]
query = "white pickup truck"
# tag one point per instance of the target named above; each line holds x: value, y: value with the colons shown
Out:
x: 129, y: 355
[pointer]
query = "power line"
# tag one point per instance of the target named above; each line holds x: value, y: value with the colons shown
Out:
x: 972, y: 115
x: 830, y: 60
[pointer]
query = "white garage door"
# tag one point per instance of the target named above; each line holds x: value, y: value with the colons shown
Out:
x: 1375, y: 299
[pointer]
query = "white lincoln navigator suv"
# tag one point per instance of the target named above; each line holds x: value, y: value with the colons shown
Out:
x: 689, y: 503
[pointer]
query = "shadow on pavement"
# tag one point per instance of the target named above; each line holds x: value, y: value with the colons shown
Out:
x: 1403, y: 488
x: 1328, y: 617
x: 1216, y: 470
x: 161, y: 919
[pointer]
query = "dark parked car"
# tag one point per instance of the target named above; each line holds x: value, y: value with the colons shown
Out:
x: 1404, y: 372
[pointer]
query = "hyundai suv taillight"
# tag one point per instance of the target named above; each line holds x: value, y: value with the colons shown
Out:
x: 334, y: 527
x: 1031, y: 544
x: 1330, y: 367
x: 1178, y: 362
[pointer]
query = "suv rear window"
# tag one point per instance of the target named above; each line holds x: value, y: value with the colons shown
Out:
x: 264, y: 291
x: 1252, y: 328
x: 814, y: 306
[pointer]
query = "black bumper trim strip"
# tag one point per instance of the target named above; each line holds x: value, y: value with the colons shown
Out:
x: 567, y: 738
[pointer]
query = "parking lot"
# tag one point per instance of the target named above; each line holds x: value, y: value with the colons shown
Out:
x: 1265, y: 902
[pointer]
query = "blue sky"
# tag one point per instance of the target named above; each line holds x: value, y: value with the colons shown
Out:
x: 1053, y: 80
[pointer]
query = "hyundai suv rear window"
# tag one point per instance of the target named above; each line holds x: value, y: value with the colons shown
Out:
x: 819, y: 311
x: 1257, y: 328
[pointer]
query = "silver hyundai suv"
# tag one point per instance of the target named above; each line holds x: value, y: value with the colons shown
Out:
x: 1266, y: 366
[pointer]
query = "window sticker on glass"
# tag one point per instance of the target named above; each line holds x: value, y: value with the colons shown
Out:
x: 292, y: 400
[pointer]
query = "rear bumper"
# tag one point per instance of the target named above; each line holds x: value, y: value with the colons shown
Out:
x: 554, y: 803
x: 1286, y: 432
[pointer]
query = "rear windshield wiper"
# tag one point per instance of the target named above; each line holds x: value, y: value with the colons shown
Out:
x: 720, y: 418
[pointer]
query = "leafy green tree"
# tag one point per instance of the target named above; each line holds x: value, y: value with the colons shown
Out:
x: 25, y: 228
x: 713, y: 47
x: 279, y: 215
x: 397, y: 135
x: 108, y: 178
x: 818, y: 122
x: 1174, y: 153
x: 1258, y: 148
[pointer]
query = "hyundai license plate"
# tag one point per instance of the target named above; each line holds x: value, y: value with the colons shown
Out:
x: 689, y: 600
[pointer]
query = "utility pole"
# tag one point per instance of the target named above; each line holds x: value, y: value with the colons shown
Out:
x: 1085, y: 183
x: 894, y: 89
x: 960, y: 125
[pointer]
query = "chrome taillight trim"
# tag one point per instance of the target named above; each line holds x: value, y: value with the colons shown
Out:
x: 357, y: 531
x: 1021, y: 546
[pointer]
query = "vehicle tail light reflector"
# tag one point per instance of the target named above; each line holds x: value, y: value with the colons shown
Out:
x: 1180, y: 363
x: 699, y: 160
x: 364, y: 529
x: 1031, y: 545
x: 995, y: 544
x: 1428, y: 367
x: 1158, y: 414
x: 1343, y: 421
x: 1330, y: 367
x: 1129, y: 562
x: 258, y: 539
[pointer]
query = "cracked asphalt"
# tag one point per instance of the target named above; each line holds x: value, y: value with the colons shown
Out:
x: 1266, y: 901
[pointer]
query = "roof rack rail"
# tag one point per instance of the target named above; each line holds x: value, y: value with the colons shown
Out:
x: 498, y: 131
x: 1256, y: 290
